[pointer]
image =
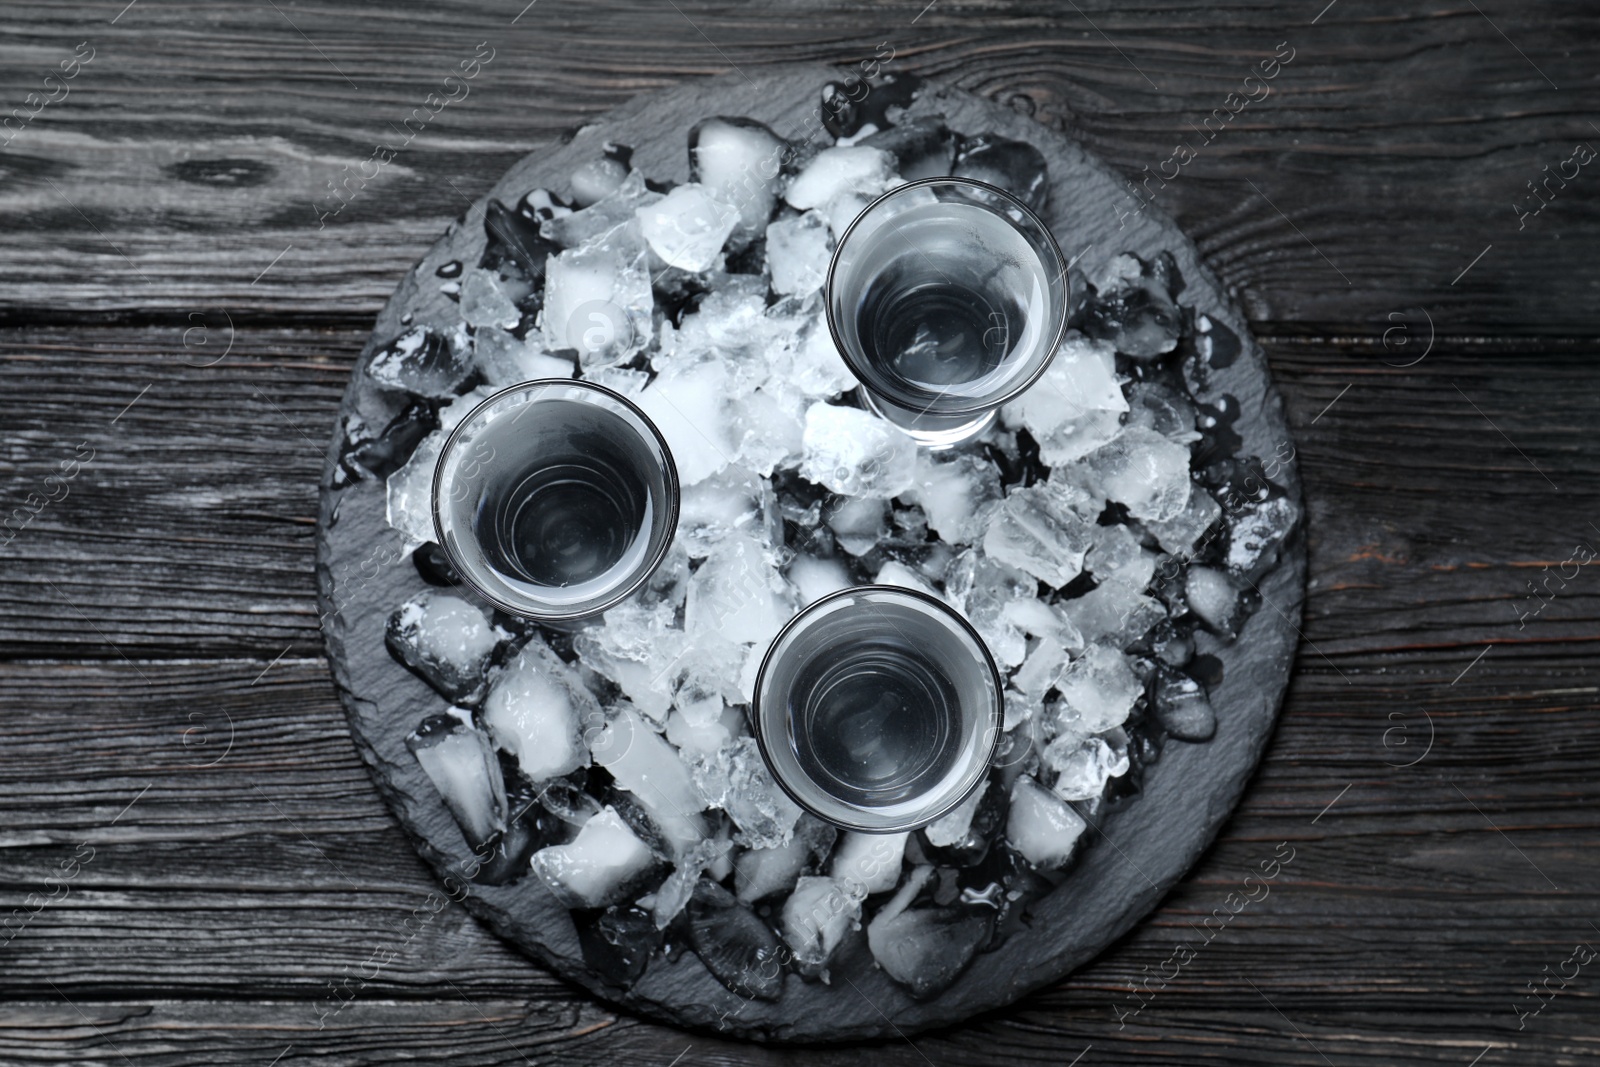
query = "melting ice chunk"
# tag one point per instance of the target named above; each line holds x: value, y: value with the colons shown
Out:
x: 1041, y: 826
x: 421, y: 361
x: 503, y: 360
x: 485, y: 302
x: 815, y: 578
x: 1257, y: 531
x: 983, y: 589
x: 1043, y: 529
x: 612, y: 210
x: 637, y: 647
x: 739, y: 159
x: 735, y: 945
x: 1182, y: 708
x: 815, y: 366
x: 766, y: 432
x: 859, y: 523
x: 673, y: 896
x: 597, y: 298
x: 731, y: 501
x: 958, y: 495
x: 1184, y: 532
x: 1083, y: 767
x: 1145, y: 472
x: 870, y: 861
x: 1217, y: 599
x: 447, y: 642
x: 686, y: 402
x: 924, y: 949
x: 798, y: 251
x: 598, y: 867
x: 1076, y: 406
x: 537, y: 709
x: 855, y: 453
x: 688, y: 227
x: 1098, y: 691
x: 646, y: 764
x: 836, y: 171
x: 737, y: 594
x: 737, y: 781
x: 817, y: 915
x: 460, y: 763
x: 761, y: 872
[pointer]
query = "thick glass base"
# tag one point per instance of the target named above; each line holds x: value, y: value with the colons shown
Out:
x: 930, y: 430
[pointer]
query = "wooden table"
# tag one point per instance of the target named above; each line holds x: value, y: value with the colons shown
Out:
x: 215, y: 878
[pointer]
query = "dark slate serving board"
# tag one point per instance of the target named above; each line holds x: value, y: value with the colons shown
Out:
x: 1150, y: 841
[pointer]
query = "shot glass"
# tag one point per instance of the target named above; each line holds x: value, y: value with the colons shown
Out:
x: 947, y: 297
x: 555, y: 500
x: 878, y: 709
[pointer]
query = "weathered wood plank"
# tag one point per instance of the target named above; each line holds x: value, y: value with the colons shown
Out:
x: 181, y: 170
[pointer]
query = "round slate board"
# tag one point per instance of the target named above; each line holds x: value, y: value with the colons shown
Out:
x: 1147, y: 844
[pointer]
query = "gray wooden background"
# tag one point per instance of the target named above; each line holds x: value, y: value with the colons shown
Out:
x: 194, y: 865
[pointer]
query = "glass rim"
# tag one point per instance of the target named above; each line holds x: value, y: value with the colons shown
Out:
x: 943, y: 609
x: 1016, y: 390
x: 646, y: 569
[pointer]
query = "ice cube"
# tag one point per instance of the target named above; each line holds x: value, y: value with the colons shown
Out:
x: 833, y: 172
x: 856, y: 453
x: 1041, y: 826
x: 687, y: 228
x: 447, y: 642
x: 1256, y: 532
x: 637, y: 647
x: 761, y: 872
x: 737, y: 594
x: 1098, y: 690
x: 958, y: 494
x: 701, y: 738
x: 870, y: 861
x: 1114, y: 613
x: 982, y: 589
x: 814, y: 366
x: 1115, y: 554
x: 739, y: 160
x: 687, y: 403
x: 1049, y: 621
x: 817, y: 915
x: 1136, y: 314
x: 1043, y: 529
x: 615, y: 209
x: 537, y: 710
x: 814, y: 578
x: 646, y: 764
x: 922, y: 148
x: 736, y: 946
x: 1185, y: 531
x: 597, y: 298
x: 503, y: 360
x: 733, y: 500
x: 1182, y: 708
x: 618, y: 945
x: 461, y: 764
x: 421, y: 361
x: 1159, y: 407
x: 599, y: 178
x: 893, y: 572
x: 859, y: 523
x: 926, y: 949
x: 1015, y: 166
x: 409, y: 492
x: 1083, y: 766
x: 1145, y: 472
x: 598, y: 867
x: 953, y: 828
x: 1038, y: 673
x: 1076, y: 406
x: 673, y: 896
x: 1218, y: 600
x: 737, y: 781
x: 484, y: 301
x: 798, y: 251
x: 766, y: 433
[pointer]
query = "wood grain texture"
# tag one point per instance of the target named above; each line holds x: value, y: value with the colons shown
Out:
x: 209, y: 927
x: 1389, y: 154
